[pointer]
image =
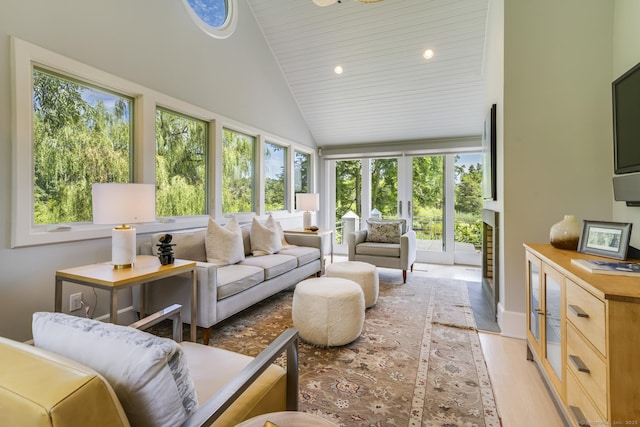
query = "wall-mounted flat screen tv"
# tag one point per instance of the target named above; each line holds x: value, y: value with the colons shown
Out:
x: 626, y: 122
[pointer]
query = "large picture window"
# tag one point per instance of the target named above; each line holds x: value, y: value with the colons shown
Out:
x: 275, y: 174
x: 238, y: 173
x: 75, y: 125
x: 181, y: 164
x: 81, y: 135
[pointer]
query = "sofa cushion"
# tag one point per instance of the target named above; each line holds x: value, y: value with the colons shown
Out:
x: 265, y: 239
x: 149, y: 374
x: 378, y: 249
x: 188, y: 244
x: 303, y: 254
x: 224, y: 245
x: 384, y: 232
x: 233, y: 279
x: 273, y: 265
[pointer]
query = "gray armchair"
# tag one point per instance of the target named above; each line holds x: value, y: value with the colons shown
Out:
x: 381, y: 249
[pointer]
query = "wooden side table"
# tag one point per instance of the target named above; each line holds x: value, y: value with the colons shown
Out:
x: 146, y: 270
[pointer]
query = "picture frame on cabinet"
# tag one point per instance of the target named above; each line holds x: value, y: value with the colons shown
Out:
x: 607, y: 239
x: 489, y: 155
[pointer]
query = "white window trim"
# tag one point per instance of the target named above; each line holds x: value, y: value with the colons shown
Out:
x: 24, y: 56
x: 223, y: 31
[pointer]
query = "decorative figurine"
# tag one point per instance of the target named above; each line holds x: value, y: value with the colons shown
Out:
x: 165, y: 250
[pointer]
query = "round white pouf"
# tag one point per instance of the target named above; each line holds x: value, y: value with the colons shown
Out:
x: 363, y: 273
x: 328, y: 311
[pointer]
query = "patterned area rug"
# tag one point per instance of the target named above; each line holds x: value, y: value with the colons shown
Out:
x: 418, y: 361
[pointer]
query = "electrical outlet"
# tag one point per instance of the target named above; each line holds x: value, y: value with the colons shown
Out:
x: 75, y: 301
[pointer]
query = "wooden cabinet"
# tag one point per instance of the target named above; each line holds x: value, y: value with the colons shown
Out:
x: 588, y: 347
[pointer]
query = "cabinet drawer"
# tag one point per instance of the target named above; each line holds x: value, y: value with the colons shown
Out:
x: 587, y: 313
x: 588, y: 368
x: 579, y: 405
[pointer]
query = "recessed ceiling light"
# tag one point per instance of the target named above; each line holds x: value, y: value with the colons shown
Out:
x: 428, y: 53
x: 338, y: 69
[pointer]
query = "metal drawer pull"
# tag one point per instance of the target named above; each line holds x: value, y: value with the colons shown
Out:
x: 579, y: 416
x: 578, y: 311
x: 579, y: 364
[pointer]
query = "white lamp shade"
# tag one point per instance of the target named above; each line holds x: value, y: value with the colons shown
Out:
x: 307, y: 201
x: 123, y: 203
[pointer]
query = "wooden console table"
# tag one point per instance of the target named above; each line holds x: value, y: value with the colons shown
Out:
x: 146, y: 270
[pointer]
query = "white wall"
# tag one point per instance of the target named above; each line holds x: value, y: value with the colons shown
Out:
x: 557, y: 126
x: 153, y: 43
x: 626, y: 54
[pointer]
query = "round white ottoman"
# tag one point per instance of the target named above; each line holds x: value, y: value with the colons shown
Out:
x: 363, y: 273
x: 328, y: 311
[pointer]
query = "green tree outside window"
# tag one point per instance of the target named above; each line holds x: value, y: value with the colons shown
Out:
x: 81, y: 135
x: 237, y: 172
x: 181, y: 164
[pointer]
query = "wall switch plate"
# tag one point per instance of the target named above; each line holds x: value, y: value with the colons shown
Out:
x: 75, y: 301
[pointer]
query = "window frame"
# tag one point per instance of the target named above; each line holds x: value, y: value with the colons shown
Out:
x: 207, y: 162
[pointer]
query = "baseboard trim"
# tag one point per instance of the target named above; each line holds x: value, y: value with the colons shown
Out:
x: 513, y: 324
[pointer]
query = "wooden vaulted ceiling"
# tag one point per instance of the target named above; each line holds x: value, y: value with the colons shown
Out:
x: 388, y: 92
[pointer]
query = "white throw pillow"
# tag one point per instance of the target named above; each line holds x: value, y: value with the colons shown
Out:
x: 265, y: 239
x: 224, y: 245
x: 149, y: 374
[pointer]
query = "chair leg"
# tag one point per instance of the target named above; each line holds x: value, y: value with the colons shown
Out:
x: 404, y: 276
x: 412, y: 268
x: 206, y: 335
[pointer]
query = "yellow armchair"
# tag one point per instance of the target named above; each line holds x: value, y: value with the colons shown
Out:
x: 41, y: 387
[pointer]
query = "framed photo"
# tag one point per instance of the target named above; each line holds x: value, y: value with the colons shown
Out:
x: 607, y: 239
x: 489, y: 155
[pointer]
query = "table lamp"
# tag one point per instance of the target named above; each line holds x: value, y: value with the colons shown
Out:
x: 123, y: 204
x: 307, y: 202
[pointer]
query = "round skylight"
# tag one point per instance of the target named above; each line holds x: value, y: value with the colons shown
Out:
x: 215, y: 17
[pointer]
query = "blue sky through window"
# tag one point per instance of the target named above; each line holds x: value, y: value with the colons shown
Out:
x: 212, y: 12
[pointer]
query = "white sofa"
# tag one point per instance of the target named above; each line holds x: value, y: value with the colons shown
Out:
x: 226, y: 290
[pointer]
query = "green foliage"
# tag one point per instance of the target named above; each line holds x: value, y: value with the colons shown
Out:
x: 348, y: 188
x: 301, y: 169
x: 181, y: 164
x: 237, y: 172
x: 76, y: 143
x: 274, y: 185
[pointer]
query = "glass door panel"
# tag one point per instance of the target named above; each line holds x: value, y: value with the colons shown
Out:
x: 348, y: 184
x: 468, y: 202
x: 384, y: 188
x: 427, y: 207
x: 533, y: 276
x: 553, y: 330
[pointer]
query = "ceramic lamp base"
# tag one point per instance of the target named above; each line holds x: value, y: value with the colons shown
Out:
x: 306, y: 220
x: 123, y: 247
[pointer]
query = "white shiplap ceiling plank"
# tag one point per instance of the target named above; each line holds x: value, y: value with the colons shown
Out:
x: 387, y: 92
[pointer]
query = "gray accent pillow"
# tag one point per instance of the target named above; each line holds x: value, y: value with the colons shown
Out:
x: 384, y: 232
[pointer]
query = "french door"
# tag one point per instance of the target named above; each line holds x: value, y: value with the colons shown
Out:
x: 424, y: 190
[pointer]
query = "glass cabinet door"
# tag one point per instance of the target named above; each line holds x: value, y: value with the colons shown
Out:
x: 533, y: 299
x: 553, y: 304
